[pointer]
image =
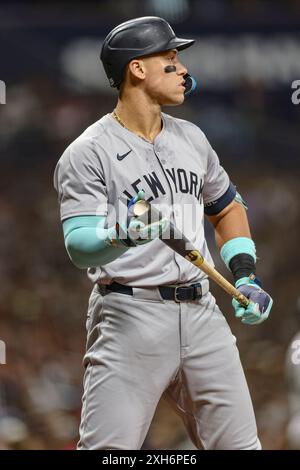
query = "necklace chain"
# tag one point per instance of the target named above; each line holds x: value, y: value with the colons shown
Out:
x: 119, y: 120
x: 125, y: 127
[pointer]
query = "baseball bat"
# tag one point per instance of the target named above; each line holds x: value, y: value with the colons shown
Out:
x: 179, y: 243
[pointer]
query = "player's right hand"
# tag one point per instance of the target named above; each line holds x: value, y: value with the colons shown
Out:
x: 141, y: 233
x: 137, y: 231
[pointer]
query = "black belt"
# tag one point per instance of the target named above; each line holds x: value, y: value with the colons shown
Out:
x: 176, y: 293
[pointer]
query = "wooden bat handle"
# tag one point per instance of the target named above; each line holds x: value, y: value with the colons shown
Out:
x: 195, y: 257
x: 179, y: 243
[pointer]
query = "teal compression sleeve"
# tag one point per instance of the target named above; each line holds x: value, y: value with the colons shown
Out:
x: 88, y: 243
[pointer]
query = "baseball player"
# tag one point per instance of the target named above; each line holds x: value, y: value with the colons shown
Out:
x: 153, y: 327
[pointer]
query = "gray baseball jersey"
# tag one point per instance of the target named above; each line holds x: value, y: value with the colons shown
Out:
x: 140, y: 346
x: 179, y: 171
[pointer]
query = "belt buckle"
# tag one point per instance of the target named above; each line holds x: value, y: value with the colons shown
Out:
x: 197, y: 291
x: 175, y: 294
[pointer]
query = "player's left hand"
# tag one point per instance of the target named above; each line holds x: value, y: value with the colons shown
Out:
x: 261, y: 303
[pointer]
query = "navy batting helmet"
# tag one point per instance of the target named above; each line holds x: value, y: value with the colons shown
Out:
x: 136, y: 38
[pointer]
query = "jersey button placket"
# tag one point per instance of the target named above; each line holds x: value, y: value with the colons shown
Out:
x: 159, y: 154
x: 157, y: 150
x: 183, y: 312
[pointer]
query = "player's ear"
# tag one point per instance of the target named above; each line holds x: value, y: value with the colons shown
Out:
x: 137, y: 68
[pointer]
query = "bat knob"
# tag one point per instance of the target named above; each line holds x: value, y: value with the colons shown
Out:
x: 140, y: 208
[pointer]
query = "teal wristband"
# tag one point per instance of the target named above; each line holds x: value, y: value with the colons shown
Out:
x: 236, y: 246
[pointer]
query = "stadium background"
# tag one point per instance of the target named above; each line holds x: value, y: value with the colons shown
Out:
x: 246, y: 58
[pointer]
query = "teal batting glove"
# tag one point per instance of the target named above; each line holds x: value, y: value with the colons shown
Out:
x: 139, y: 197
x: 137, y: 232
x: 142, y: 233
x: 260, y: 304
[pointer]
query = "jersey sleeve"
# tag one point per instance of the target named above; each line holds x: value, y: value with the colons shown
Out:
x: 218, y: 191
x: 79, y: 181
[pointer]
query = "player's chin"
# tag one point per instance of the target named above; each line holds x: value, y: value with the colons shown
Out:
x: 175, y: 99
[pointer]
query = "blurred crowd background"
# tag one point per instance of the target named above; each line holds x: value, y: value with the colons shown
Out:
x: 246, y: 58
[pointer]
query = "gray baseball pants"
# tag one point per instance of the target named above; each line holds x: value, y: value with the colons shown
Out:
x: 140, y: 347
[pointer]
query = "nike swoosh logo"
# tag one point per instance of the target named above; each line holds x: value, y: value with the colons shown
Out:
x: 120, y: 157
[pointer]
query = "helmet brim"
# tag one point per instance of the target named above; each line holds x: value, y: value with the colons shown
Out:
x: 180, y: 44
